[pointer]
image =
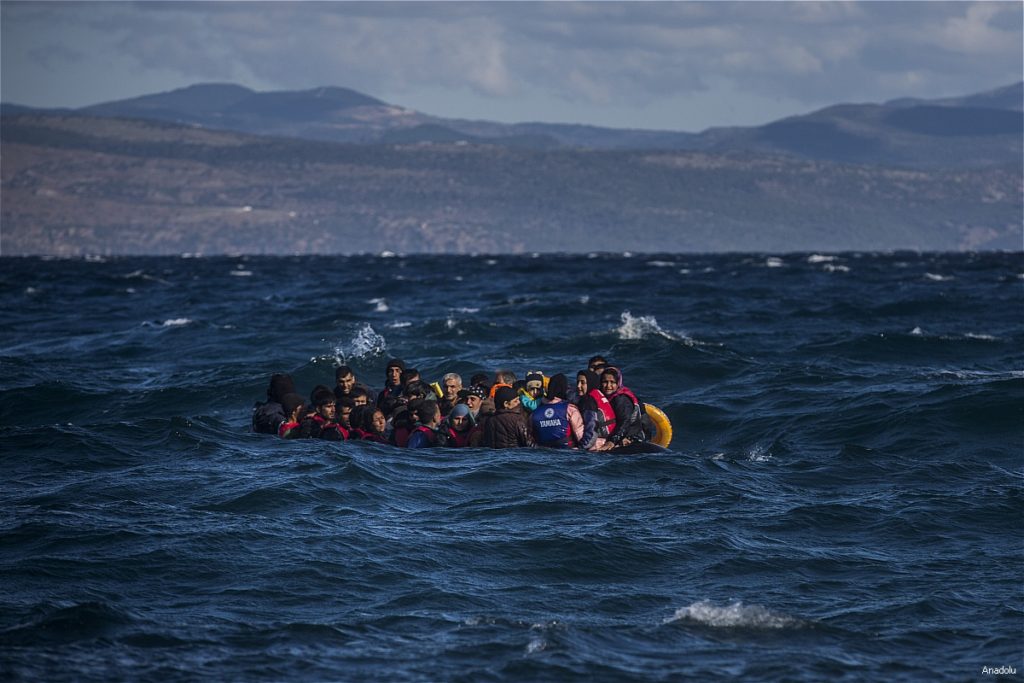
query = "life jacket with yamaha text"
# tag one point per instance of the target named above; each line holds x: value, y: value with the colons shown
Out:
x: 551, y: 426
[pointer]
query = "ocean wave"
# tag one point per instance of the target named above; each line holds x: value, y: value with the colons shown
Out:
x: 365, y: 343
x: 736, y: 615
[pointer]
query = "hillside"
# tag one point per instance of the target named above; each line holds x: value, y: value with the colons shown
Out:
x: 973, y: 131
x: 73, y: 184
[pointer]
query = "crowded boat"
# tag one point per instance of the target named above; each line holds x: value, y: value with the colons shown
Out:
x: 595, y: 411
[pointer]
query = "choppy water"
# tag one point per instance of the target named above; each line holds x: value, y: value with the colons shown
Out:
x: 842, y: 500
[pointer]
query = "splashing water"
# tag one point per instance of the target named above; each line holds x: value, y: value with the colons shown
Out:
x: 640, y: 327
x: 366, y: 343
x: 736, y: 615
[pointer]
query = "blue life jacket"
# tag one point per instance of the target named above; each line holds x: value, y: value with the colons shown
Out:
x: 551, y: 424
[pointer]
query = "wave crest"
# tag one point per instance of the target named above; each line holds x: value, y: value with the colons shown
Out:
x: 736, y: 615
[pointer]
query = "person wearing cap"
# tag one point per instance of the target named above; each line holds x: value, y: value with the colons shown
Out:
x: 473, y: 397
x: 506, y: 429
x: 392, y: 381
x: 556, y: 423
x: 532, y: 392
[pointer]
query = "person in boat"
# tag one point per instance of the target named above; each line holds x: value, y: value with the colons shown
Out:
x: 532, y: 392
x: 597, y: 364
x: 392, y: 381
x: 557, y: 423
x: 403, y: 421
x: 346, y: 383
x: 360, y: 397
x: 344, y: 412
x: 456, y: 427
x: 502, y: 378
x: 473, y: 397
x: 629, y: 427
x: 369, y: 424
x: 294, y: 409
x: 268, y: 416
x: 451, y: 385
x: 320, y: 423
x: 428, y: 419
x: 506, y: 429
x: 484, y: 414
x: 598, y: 415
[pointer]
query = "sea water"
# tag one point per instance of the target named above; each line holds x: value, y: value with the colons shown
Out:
x: 842, y: 499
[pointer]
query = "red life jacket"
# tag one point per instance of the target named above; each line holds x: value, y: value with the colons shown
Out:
x: 627, y: 392
x: 458, y: 439
x: 286, y: 429
x: 431, y: 434
x: 606, y: 423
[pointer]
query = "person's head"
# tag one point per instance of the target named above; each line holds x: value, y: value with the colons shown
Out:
x: 459, y: 418
x: 294, y: 406
x: 505, y: 398
x: 474, y: 398
x: 317, y: 390
x: 587, y: 381
x: 505, y: 376
x: 558, y: 386
x: 597, y: 364
x: 480, y: 379
x: 410, y: 375
x: 345, y: 407
x: 324, y: 403
x: 611, y: 380
x: 427, y: 413
x: 393, y: 372
x: 535, y: 384
x: 280, y: 384
x: 451, y: 384
x: 416, y: 389
x: 359, y: 396
x: 345, y: 379
x: 378, y: 422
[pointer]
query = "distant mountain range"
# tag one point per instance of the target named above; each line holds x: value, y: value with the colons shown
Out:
x: 972, y: 131
x: 222, y: 169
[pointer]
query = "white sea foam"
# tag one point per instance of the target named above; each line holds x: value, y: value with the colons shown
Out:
x: 387, y: 254
x: 241, y: 273
x: 759, y: 453
x: 820, y: 258
x: 536, y: 645
x: 830, y: 268
x: 399, y: 324
x: 684, y: 271
x: 661, y: 264
x: 31, y: 290
x: 938, y: 278
x: 380, y: 305
x: 467, y: 310
x: 736, y: 615
x: 917, y: 332
x: 176, y: 322
x: 981, y: 337
x: 640, y: 327
x: 774, y: 262
x: 364, y: 344
x: 584, y: 299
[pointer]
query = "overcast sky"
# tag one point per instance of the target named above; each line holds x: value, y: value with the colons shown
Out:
x: 667, y: 65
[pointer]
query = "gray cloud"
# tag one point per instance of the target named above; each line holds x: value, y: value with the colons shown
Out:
x: 590, y: 54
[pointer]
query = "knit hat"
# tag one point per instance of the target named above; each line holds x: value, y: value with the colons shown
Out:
x: 535, y: 377
x: 502, y: 396
x: 557, y: 386
x: 280, y: 384
x: 474, y: 390
x: 395, y: 363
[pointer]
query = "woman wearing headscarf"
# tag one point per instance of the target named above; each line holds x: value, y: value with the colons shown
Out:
x: 629, y: 426
x: 598, y: 416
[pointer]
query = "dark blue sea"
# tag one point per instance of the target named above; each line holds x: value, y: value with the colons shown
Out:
x: 842, y: 499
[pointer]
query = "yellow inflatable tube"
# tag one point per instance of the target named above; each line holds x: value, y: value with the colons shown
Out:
x: 663, y: 427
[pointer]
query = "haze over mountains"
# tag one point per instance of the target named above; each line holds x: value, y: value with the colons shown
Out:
x: 218, y: 168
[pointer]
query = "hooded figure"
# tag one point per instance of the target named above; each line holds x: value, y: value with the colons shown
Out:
x: 268, y: 416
